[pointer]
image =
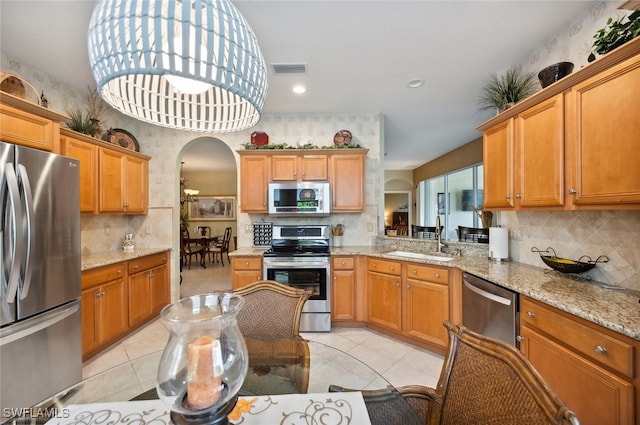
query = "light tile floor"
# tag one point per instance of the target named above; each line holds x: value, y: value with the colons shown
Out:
x: 398, y: 362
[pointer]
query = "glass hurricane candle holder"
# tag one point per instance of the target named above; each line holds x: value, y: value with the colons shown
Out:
x: 205, y: 360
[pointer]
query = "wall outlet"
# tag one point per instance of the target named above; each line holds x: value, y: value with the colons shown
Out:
x: 148, y: 229
x: 516, y: 233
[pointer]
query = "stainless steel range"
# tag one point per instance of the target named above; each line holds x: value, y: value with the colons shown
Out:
x: 299, y: 257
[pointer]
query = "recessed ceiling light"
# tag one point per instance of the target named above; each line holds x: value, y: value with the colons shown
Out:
x: 414, y: 84
x: 299, y: 89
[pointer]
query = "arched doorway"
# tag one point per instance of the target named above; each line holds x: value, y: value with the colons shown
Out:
x: 207, y: 169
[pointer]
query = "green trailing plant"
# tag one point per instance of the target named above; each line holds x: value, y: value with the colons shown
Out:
x: 82, y: 123
x: 615, y: 34
x: 509, y: 88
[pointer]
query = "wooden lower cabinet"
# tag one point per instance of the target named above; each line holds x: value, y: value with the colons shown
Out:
x: 343, y: 288
x: 385, y: 293
x: 411, y: 300
x: 120, y: 297
x: 593, y: 370
x: 245, y: 270
x: 426, y: 303
x: 104, y: 307
x: 148, y: 287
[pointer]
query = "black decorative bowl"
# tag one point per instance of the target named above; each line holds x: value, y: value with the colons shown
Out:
x: 564, y: 265
x: 554, y: 72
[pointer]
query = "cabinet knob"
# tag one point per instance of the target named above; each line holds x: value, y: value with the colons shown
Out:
x: 397, y: 284
x: 600, y: 349
x: 437, y: 275
x: 374, y: 265
x: 392, y: 268
x: 344, y: 263
x: 246, y: 264
x: 520, y: 338
x: 518, y: 196
x: 119, y: 271
x: 572, y: 191
x: 507, y: 196
x: 408, y: 286
x: 414, y: 271
x: 531, y: 314
x: 136, y: 266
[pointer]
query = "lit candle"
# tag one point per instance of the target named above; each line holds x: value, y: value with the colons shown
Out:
x: 204, y: 366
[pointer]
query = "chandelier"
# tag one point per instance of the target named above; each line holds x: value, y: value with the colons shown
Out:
x: 186, y: 64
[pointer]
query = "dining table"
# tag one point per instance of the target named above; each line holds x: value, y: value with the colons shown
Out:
x: 287, y: 382
x: 205, y: 242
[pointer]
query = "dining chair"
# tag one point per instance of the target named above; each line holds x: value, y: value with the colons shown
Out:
x: 270, y: 323
x: 204, y: 231
x: 221, y: 247
x: 188, y: 248
x: 483, y: 380
x: 430, y: 231
x: 475, y: 234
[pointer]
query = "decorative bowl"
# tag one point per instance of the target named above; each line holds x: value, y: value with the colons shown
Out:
x: 564, y: 265
x: 554, y: 72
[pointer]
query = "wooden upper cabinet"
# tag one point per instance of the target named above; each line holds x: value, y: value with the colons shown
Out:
x: 87, y: 154
x: 254, y: 181
x: 574, y: 143
x: 298, y: 167
x: 540, y: 154
x: 606, y: 137
x: 344, y: 169
x: 27, y: 124
x: 498, y: 166
x: 123, y: 182
x: 347, y: 182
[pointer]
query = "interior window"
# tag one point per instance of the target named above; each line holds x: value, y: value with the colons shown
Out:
x: 453, y: 197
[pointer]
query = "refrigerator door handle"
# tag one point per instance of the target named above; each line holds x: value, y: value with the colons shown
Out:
x: 31, y: 231
x: 36, y: 324
x: 14, y: 232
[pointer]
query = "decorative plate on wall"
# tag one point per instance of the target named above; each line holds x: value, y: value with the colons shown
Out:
x: 122, y: 138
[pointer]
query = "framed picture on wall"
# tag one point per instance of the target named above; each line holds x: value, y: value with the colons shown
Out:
x: 212, y: 208
x: 442, y: 206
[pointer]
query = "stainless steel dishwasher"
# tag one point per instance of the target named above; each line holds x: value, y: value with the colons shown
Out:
x: 489, y: 309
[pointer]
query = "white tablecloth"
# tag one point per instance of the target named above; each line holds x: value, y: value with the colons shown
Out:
x: 291, y: 409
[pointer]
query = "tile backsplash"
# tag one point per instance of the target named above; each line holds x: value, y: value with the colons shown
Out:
x: 573, y: 234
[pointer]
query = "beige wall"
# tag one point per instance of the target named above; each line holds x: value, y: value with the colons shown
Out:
x: 464, y: 156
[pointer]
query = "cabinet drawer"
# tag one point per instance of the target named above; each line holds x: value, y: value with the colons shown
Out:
x: 147, y: 262
x: 590, y: 342
x: 384, y: 266
x: 431, y: 274
x: 247, y: 263
x: 101, y: 275
x: 342, y: 263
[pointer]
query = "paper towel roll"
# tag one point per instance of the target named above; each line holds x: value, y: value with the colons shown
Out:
x: 498, y: 243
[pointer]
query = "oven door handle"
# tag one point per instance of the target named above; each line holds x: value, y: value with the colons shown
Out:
x: 302, y: 265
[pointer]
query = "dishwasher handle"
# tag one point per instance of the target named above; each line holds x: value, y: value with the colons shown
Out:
x: 488, y: 295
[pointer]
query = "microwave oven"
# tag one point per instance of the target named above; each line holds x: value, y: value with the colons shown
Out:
x: 305, y: 198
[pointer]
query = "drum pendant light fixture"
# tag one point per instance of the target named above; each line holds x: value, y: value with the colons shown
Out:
x: 185, y: 64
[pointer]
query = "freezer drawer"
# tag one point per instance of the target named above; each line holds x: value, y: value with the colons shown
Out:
x: 40, y: 357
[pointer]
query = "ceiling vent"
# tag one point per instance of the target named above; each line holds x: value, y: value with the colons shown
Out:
x: 289, y: 68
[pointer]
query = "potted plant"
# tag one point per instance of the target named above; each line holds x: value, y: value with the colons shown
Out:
x: 504, y: 91
x: 615, y: 34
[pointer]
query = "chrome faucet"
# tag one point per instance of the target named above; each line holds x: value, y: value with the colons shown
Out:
x: 439, y: 234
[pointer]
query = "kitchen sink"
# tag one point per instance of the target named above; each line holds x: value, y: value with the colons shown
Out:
x: 419, y: 256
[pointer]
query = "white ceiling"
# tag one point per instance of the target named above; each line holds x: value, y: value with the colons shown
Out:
x: 359, y: 54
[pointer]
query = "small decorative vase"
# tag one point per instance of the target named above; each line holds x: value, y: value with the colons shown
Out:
x: 129, y: 242
x: 337, y: 241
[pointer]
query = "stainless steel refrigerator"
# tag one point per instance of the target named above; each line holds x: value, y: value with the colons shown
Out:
x: 40, y: 328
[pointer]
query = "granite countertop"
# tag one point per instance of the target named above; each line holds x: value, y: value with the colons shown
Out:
x: 618, y: 310
x: 100, y: 259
